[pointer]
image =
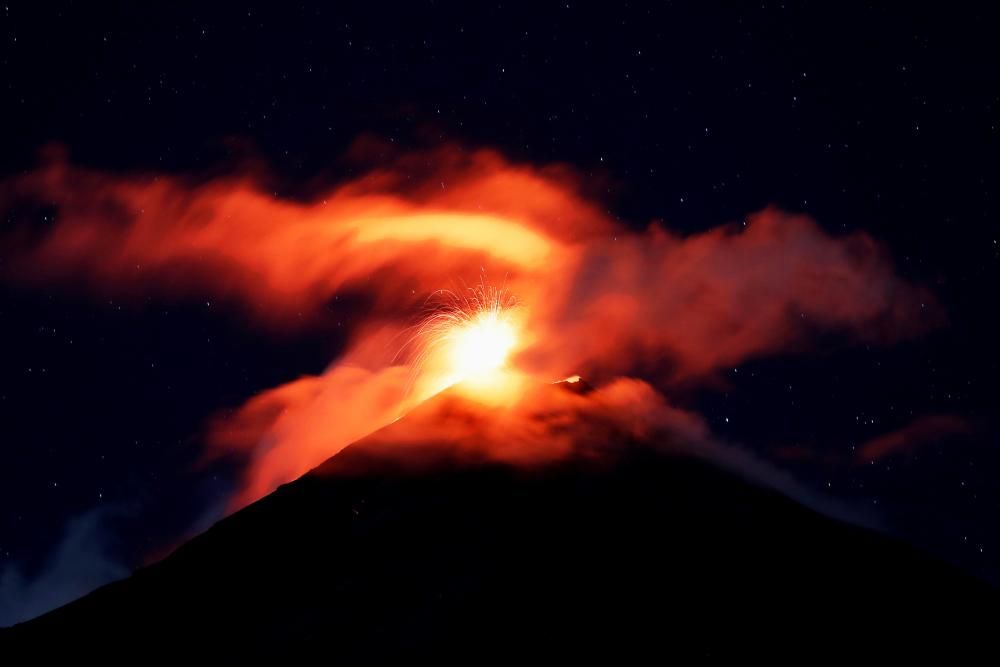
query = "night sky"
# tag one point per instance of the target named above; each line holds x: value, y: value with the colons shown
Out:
x: 863, y: 118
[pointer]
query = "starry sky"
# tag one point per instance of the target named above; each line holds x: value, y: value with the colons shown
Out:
x: 863, y: 118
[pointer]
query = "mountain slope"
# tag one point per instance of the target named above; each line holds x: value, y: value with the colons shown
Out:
x: 376, y: 555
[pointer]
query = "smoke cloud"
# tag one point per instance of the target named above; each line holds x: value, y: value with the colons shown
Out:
x: 600, y: 299
x: 80, y: 563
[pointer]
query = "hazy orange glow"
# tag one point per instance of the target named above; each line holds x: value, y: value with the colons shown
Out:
x: 594, y: 296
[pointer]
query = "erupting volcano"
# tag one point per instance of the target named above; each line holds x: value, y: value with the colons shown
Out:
x: 492, y: 332
x: 433, y: 490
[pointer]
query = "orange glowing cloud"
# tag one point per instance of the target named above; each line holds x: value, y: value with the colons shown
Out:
x: 286, y: 431
x: 383, y: 235
x: 597, y: 298
x: 921, y: 431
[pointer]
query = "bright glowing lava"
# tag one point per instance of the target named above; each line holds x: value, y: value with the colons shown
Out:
x: 481, y: 345
x: 467, y: 338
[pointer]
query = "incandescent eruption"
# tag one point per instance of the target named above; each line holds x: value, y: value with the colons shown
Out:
x: 467, y: 336
x: 480, y: 345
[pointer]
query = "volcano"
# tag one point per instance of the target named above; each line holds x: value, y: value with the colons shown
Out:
x: 625, y: 550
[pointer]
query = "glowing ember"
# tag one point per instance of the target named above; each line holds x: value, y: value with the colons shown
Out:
x: 468, y: 335
x: 481, y: 345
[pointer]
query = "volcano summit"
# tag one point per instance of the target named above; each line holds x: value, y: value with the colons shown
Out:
x: 418, y: 542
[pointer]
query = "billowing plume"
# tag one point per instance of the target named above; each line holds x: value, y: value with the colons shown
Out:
x: 597, y: 298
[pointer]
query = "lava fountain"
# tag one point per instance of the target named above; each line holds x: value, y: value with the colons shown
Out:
x: 467, y: 338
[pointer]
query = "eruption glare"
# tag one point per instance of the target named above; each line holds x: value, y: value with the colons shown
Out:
x: 468, y: 336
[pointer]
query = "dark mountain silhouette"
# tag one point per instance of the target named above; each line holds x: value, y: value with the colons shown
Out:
x: 630, y: 553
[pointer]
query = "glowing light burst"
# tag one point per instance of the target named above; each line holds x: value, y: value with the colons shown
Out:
x: 481, y: 345
x: 467, y: 336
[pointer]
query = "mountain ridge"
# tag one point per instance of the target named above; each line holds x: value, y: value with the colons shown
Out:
x: 428, y: 550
